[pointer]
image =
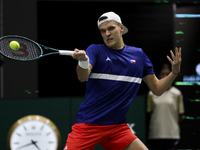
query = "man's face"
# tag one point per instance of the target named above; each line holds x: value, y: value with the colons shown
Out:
x: 111, y: 33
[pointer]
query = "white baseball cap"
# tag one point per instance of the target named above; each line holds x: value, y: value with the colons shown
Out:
x: 111, y: 16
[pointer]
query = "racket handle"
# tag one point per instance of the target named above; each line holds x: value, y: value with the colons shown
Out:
x: 65, y: 52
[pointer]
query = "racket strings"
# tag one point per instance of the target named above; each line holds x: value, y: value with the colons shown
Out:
x: 28, y: 50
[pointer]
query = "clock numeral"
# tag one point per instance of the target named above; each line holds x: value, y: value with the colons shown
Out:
x: 18, y: 134
x: 48, y: 133
x: 50, y: 142
x: 16, y: 143
x: 25, y: 128
x: 42, y: 128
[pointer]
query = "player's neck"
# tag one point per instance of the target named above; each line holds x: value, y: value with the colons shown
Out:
x: 119, y: 45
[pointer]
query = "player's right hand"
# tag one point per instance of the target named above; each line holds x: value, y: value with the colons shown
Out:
x: 79, y: 55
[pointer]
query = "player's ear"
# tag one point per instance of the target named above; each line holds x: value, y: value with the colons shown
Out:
x: 122, y: 27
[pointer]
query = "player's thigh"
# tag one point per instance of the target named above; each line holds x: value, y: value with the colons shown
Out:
x: 82, y: 137
x: 136, y: 145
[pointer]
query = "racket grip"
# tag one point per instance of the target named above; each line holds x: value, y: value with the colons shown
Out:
x: 65, y: 52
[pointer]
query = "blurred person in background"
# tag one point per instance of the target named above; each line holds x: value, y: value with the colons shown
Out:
x: 165, y: 113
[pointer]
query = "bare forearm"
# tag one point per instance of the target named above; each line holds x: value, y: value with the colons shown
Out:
x: 158, y: 87
x: 164, y: 83
x: 83, y: 74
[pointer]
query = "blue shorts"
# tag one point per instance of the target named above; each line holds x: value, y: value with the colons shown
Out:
x: 86, y: 136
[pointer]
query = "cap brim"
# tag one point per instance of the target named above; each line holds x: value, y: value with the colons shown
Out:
x: 125, y: 30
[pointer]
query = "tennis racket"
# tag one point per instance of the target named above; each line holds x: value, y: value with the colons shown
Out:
x: 29, y: 49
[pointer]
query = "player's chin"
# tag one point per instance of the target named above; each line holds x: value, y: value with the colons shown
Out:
x: 110, y: 45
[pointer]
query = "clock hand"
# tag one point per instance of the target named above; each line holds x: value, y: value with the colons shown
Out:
x: 34, y: 143
x: 24, y: 145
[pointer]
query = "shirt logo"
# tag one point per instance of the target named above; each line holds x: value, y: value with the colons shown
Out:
x: 107, y: 59
x: 133, y: 61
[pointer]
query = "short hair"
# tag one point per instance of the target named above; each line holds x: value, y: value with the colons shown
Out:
x: 165, y: 66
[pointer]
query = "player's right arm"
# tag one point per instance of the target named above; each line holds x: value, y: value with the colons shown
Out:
x: 83, y: 74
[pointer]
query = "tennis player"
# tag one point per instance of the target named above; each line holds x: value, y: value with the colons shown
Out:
x: 114, y: 72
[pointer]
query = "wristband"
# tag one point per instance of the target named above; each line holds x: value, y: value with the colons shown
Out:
x: 83, y: 64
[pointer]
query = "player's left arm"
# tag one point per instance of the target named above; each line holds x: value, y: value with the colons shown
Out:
x: 158, y: 87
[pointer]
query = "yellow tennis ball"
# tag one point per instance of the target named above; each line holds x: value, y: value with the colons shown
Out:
x: 14, y: 45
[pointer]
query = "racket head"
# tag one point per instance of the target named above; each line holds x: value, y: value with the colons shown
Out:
x: 29, y: 49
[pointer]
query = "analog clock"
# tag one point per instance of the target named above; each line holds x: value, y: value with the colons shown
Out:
x: 34, y: 132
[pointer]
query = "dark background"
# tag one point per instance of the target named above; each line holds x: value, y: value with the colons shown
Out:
x: 189, y: 41
x: 49, y: 86
x: 150, y: 27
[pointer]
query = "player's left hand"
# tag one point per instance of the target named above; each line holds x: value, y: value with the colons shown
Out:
x: 176, y: 60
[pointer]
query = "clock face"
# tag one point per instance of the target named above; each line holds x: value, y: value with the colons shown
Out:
x: 34, y: 133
